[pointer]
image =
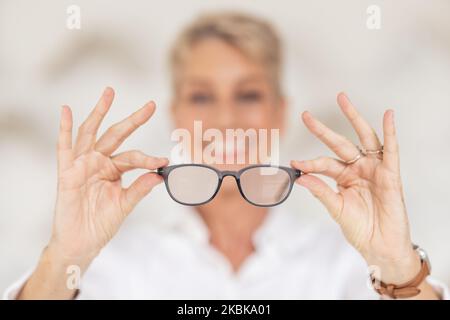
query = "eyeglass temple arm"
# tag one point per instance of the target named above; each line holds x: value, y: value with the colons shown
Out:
x: 159, y: 171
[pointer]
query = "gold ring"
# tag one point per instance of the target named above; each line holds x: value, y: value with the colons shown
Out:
x: 359, y: 156
x: 379, y: 151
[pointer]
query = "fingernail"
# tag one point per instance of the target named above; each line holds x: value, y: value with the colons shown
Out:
x: 301, y: 181
x: 64, y: 108
x: 149, y: 105
x: 107, y: 91
x: 346, y: 96
x: 299, y: 163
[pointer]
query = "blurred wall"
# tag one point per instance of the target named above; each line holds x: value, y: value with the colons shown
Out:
x: 405, y: 65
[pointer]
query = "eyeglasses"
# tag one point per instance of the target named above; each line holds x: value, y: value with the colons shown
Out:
x: 260, y: 185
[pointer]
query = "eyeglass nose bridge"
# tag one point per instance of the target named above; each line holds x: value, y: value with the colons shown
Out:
x: 236, y: 175
x: 226, y: 173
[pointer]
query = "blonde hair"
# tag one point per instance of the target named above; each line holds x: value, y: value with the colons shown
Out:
x: 252, y: 36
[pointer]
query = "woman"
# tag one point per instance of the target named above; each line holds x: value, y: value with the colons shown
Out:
x: 226, y: 73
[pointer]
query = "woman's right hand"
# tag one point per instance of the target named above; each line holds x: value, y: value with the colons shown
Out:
x: 91, y: 202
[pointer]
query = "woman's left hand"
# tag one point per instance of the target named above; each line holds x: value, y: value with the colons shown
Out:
x: 369, y: 205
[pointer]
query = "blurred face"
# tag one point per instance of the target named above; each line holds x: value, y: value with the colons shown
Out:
x: 224, y: 89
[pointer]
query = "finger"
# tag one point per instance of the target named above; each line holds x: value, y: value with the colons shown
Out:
x: 65, y: 153
x: 88, y: 129
x: 329, y: 167
x: 135, y: 159
x: 138, y: 190
x: 367, y: 136
x: 116, y: 134
x: 341, y: 146
x: 330, y: 199
x: 390, y: 150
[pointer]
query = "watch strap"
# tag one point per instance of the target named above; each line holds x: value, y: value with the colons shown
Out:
x: 406, y: 290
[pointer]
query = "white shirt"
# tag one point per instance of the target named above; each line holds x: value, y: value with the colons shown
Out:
x: 174, y: 260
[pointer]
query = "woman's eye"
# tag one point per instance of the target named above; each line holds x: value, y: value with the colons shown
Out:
x: 200, y: 98
x: 249, y: 97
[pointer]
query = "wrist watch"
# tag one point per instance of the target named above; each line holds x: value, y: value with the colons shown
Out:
x: 423, y: 256
x: 408, y: 289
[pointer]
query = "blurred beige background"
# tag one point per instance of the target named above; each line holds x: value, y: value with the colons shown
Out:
x: 405, y: 65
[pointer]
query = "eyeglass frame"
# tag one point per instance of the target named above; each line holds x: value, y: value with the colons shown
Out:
x: 293, y: 175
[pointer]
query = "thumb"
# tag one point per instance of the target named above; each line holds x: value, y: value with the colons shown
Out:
x: 138, y: 190
x: 322, y: 191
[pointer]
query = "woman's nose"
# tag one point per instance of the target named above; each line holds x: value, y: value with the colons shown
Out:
x: 226, y: 116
